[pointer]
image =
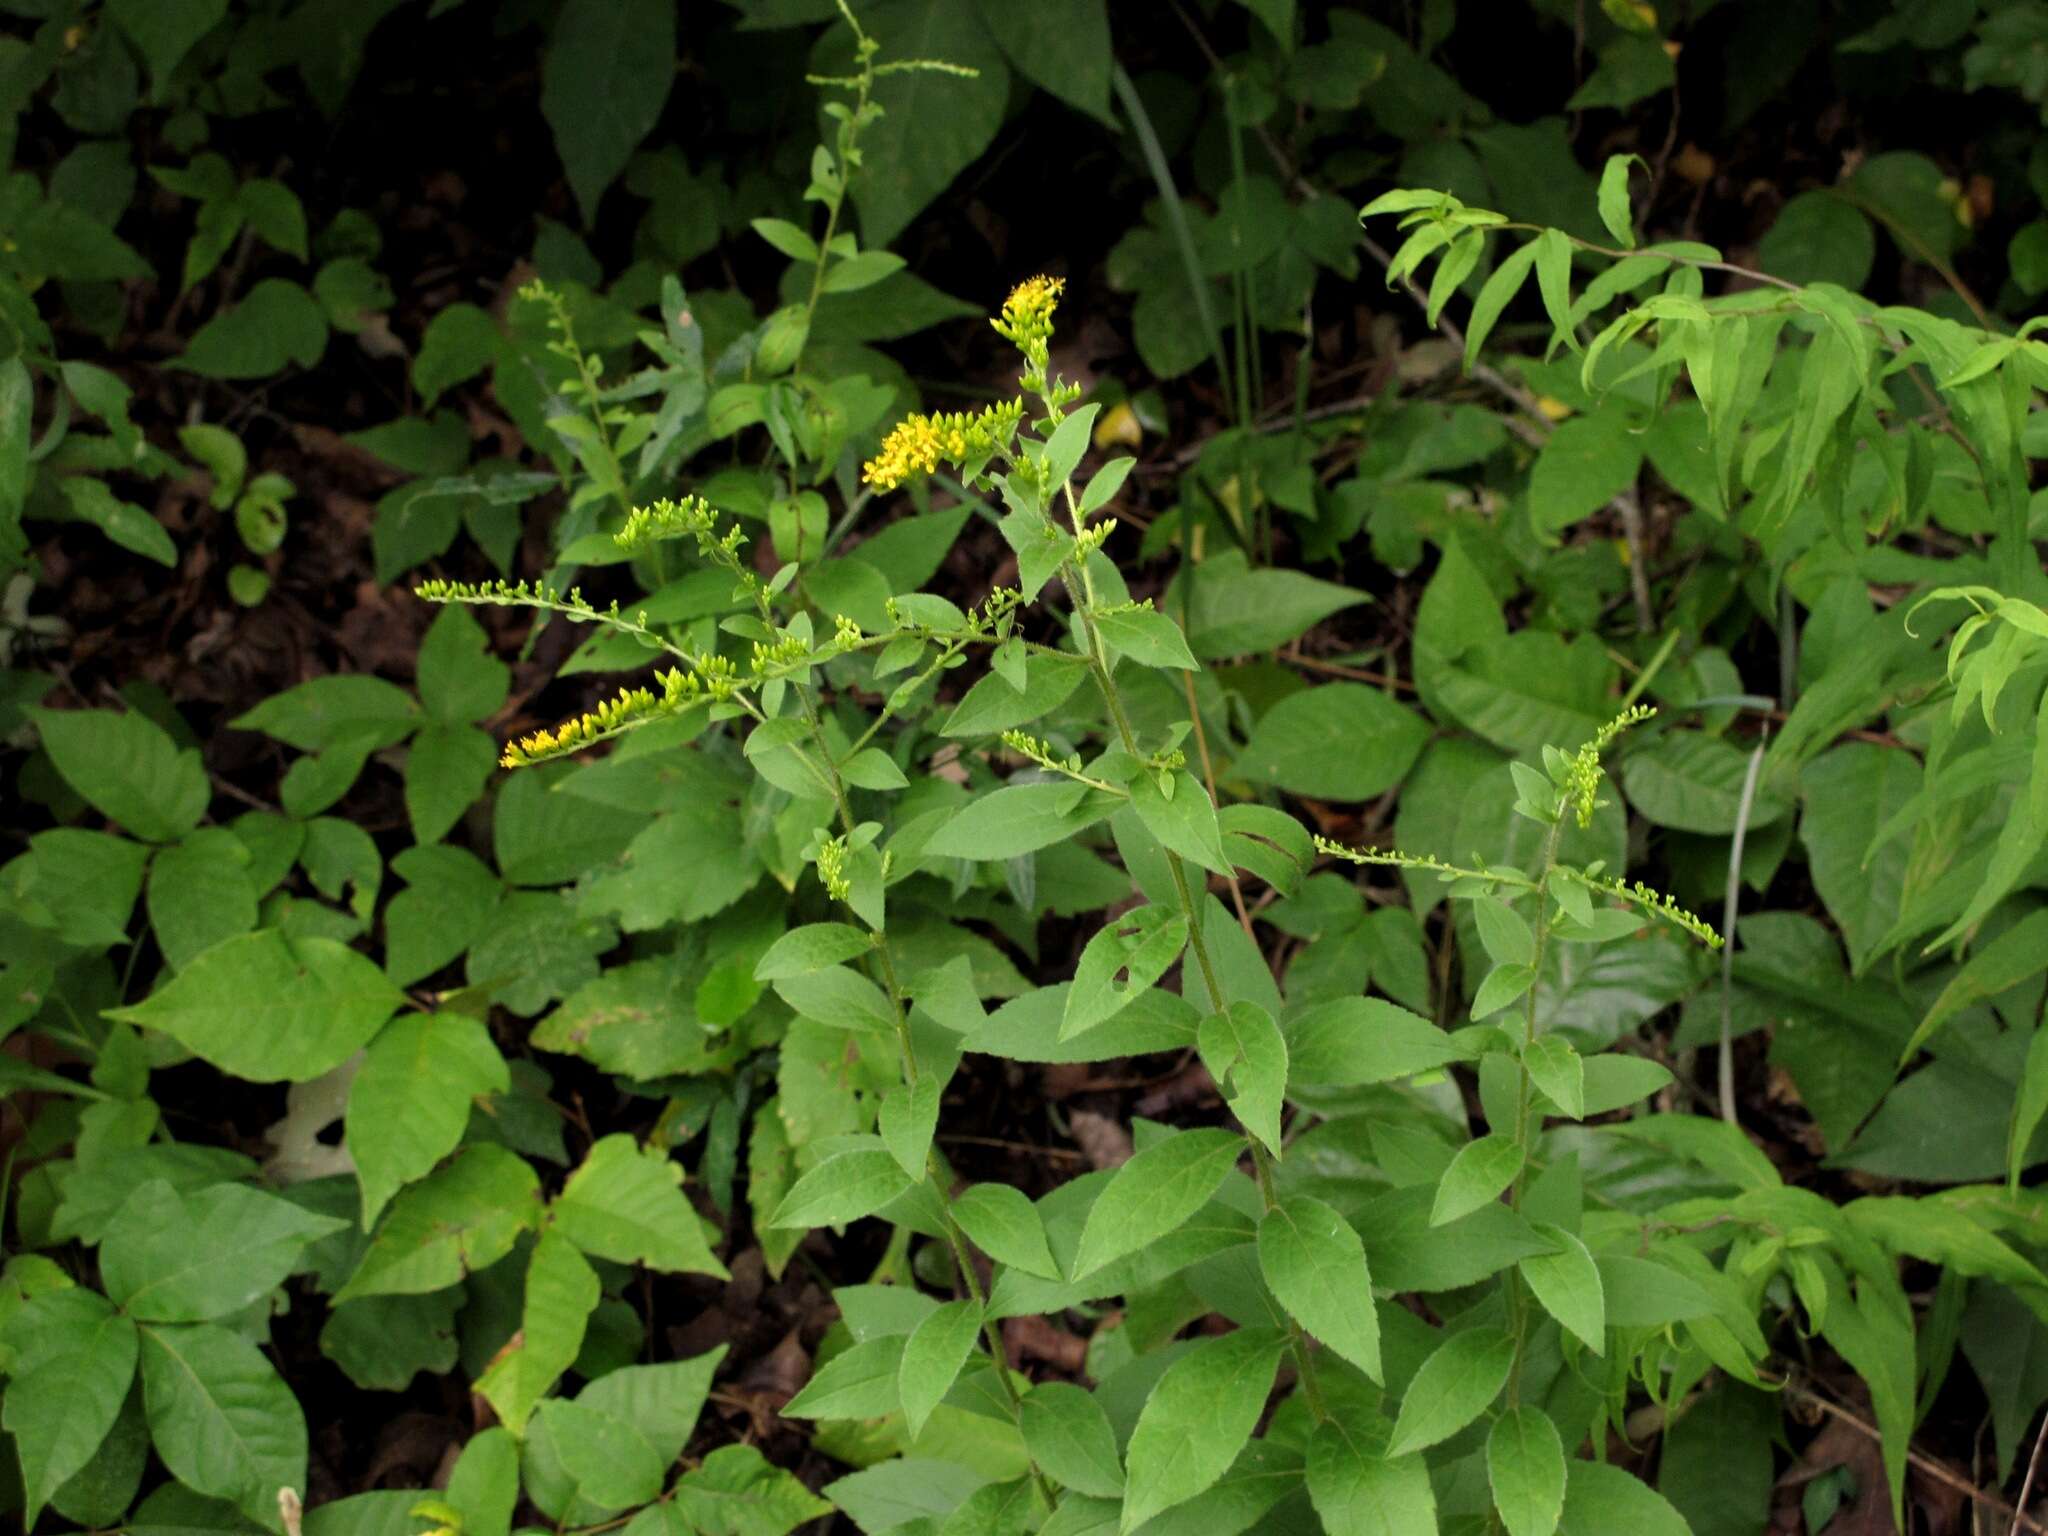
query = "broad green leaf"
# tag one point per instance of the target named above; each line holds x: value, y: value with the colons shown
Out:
x: 1001, y: 1221
x: 1476, y: 1177
x: 1601, y: 1500
x: 484, y: 1483
x: 330, y: 711
x: 1234, y: 610
x: 839, y: 997
x: 446, y: 772
x: 447, y: 904
x: 2016, y: 955
x: 626, y: 1204
x: 63, y: 1405
x: 1146, y: 636
x: 907, y: 1121
x: 603, y: 1464
x: 460, y: 680
x: 171, y: 1258
x: 1615, y: 213
x: 932, y: 1357
x: 222, y: 1420
x: 1351, y: 1041
x: 656, y: 1405
x: 1062, y: 48
x: 606, y: 76
x: 2029, y: 1108
x: 1566, y: 1282
x: 1556, y: 1070
x: 1358, y: 1490
x: 810, y: 948
x: 1819, y: 237
x: 1019, y: 819
x: 1692, y: 782
x: 1849, y: 792
x: 1197, y: 1419
x: 412, y: 1096
x: 1585, y: 464
x: 1154, y: 1193
x: 1503, y: 932
x: 860, y: 1383
x: 1247, y: 1056
x: 1070, y: 1437
x: 1501, y: 986
x: 736, y: 1491
x: 1525, y: 1465
x: 1341, y: 741
x: 1184, y: 821
x: 561, y: 1292
x: 460, y: 342
x: 164, y: 31
x: 200, y: 893
x: 1125, y: 957
x: 268, y: 1008
x: 123, y: 522
x: 1642, y: 1293
x: 848, y: 1185
x: 993, y: 704
x: 128, y: 769
x: 273, y: 326
x: 1317, y: 1269
x: 456, y: 1221
x: 1457, y: 1383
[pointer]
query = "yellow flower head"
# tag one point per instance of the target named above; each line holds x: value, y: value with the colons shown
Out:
x: 1027, y: 312
x: 919, y: 443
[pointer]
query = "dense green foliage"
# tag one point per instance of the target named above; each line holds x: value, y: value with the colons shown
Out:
x: 1363, y: 766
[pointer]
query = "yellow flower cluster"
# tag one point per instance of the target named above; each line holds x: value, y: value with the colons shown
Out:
x: 1027, y: 312
x: 633, y: 706
x: 919, y: 443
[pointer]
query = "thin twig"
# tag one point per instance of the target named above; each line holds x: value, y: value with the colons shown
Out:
x: 1927, y: 1464
x: 1725, y: 1069
x: 2033, y: 1466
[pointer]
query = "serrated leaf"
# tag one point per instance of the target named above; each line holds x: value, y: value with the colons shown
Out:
x: 1525, y: 1466
x: 459, y: 1219
x: 1359, y: 1491
x: 126, y: 767
x: 848, y: 1185
x: 1001, y: 1221
x: 412, y: 1097
x: 1601, y: 1500
x: 1566, y: 1283
x: 1476, y: 1177
x: 1154, y: 1193
x: 626, y: 1204
x: 62, y: 1407
x: 1125, y: 957
x: 932, y: 1357
x: 1247, y: 1056
x: 1317, y: 1269
x: 1070, y: 1437
x: 561, y: 1292
x: 1456, y: 1384
x: 1196, y: 1420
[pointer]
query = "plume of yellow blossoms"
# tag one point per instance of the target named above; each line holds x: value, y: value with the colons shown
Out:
x: 633, y: 706
x: 919, y: 444
x: 1027, y: 312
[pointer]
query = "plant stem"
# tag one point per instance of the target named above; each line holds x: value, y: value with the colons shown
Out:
x: 1518, y: 1302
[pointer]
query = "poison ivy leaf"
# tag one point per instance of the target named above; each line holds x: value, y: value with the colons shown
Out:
x: 1692, y: 782
x: 1197, y: 1418
x: 222, y: 1420
x: 607, y: 75
x: 1234, y: 610
x: 200, y: 893
x: 128, y: 769
x: 1317, y: 1269
x: 1342, y: 741
x: 171, y: 1258
x: 456, y: 1221
x: 736, y: 1491
x: 1153, y: 1193
x: 449, y: 897
x: 270, y: 1009
x: 932, y: 1356
x: 1566, y: 1282
x: 484, y: 1483
x: 1849, y: 792
x: 626, y: 1204
x: 1070, y: 1437
x: 410, y: 1100
x: 67, y: 1388
x: 164, y: 31
x: 561, y: 1292
x: 1819, y: 237
x: 1525, y: 1465
x: 274, y: 325
x: 1456, y: 1384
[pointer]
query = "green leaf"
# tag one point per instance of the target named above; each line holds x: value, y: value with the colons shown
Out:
x: 1197, y: 1419
x: 1247, y: 1056
x: 448, y: 902
x: 1234, y: 610
x: 128, y: 769
x: 1558, y: 1073
x: 1070, y: 1437
x: 171, y: 1258
x: 1525, y: 1465
x: 1120, y: 963
x: 562, y: 1290
x: 1317, y: 1269
x: 1476, y: 1177
x: 1503, y: 933
x: 164, y: 31
x: 812, y: 947
x: 1001, y: 1221
x: 268, y: 1008
x: 2016, y: 955
x: 331, y: 711
x: 64, y: 1398
x: 736, y: 1491
x: 994, y: 704
x: 932, y: 1357
x: 859, y: 1384
x: 460, y: 680
x: 1154, y: 1193
x: 223, y: 1422
x: 1567, y: 1284
x: 1819, y: 237
x: 1457, y: 1383
x: 1601, y: 1500
x: 1359, y: 1491
x: 121, y: 521
x: 1350, y: 1041
x: 596, y: 1454
x: 606, y: 77
x: 860, y: 271
x: 1616, y: 214
x: 786, y: 238
x: 1061, y: 46
x: 626, y: 1204
x: 484, y: 1484
x: 1184, y: 821
x: 1019, y: 819
x: 446, y: 772
x: 274, y: 325
x: 1495, y: 295
x: 1503, y: 984
x: 456, y: 1221
x: 1554, y: 280
x: 1342, y: 741
x: 1692, y: 782
x: 1146, y: 636
x: 200, y: 893
x: 410, y: 1100
x: 1584, y: 464
x: 1849, y: 792
x: 848, y: 1185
